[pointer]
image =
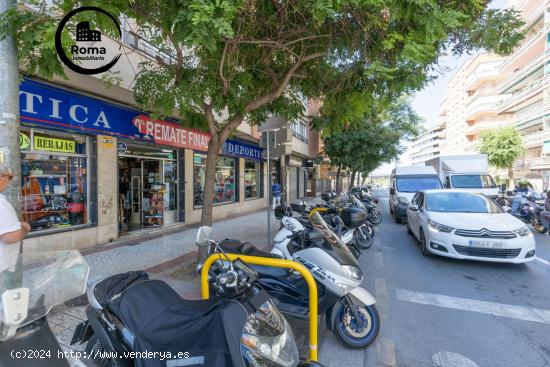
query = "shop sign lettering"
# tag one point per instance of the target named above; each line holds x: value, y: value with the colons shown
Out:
x: 167, y: 133
x: 236, y: 148
x: 54, y: 145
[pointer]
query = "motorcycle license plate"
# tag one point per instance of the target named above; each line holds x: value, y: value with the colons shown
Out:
x: 486, y: 244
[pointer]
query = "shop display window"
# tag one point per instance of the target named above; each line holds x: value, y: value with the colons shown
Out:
x: 54, y: 180
x: 252, y: 176
x: 224, y: 187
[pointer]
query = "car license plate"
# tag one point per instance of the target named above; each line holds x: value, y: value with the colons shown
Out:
x: 486, y: 244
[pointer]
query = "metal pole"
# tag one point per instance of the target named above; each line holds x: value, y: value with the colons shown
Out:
x: 10, y: 154
x: 268, y: 196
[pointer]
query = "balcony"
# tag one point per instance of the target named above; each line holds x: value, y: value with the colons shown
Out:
x: 531, y: 117
x: 536, y: 139
x: 481, y: 126
x: 523, y: 95
x: 482, y: 73
x: 524, y: 72
x: 482, y: 105
x: 540, y: 163
x: 524, y: 46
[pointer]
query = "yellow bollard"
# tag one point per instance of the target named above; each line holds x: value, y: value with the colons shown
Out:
x: 279, y: 263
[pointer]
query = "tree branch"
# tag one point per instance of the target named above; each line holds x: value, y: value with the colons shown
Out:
x: 210, y: 119
x: 222, y: 77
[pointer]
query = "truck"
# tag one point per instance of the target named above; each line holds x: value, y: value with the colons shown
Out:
x: 469, y: 172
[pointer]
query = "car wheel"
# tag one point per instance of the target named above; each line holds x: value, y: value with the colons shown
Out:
x: 397, y: 219
x: 391, y: 210
x: 423, y: 245
x: 409, y: 229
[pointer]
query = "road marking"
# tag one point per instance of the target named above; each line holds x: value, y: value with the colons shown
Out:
x: 385, y: 352
x: 542, y: 261
x: 467, y: 304
x: 449, y: 359
x: 379, y: 259
x: 381, y: 294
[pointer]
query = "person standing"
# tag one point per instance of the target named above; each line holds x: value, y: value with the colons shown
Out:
x: 276, y: 192
x: 12, y: 231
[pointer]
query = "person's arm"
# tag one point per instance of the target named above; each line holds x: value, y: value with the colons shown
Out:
x: 16, y: 236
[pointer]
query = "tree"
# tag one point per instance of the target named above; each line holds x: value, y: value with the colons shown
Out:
x: 503, y: 147
x: 372, y: 140
x: 237, y: 60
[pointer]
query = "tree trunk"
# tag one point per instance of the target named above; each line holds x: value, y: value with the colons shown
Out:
x: 208, y: 191
x: 363, y: 180
x: 338, y: 178
x: 511, y: 178
x: 352, y: 181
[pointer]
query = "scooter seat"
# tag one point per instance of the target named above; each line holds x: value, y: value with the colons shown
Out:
x: 244, y: 248
x: 269, y: 271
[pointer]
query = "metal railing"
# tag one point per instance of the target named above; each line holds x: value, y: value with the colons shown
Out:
x: 538, y: 84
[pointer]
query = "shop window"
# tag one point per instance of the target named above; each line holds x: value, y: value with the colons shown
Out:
x: 252, y: 181
x: 54, y: 180
x: 224, y: 186
x: 171, y: 181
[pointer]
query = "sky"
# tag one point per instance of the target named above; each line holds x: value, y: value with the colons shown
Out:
x: 426, y: 102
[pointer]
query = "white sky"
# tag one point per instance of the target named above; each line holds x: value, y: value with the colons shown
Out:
x: 426, y: 101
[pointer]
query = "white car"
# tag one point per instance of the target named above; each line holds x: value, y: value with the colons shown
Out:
x: 465, y: 225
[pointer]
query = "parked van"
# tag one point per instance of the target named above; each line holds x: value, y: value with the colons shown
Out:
x: 405, y: 182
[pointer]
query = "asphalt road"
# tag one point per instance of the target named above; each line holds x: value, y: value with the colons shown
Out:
x: 450, y: 313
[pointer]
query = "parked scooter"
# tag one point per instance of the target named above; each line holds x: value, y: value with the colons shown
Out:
x: 243, y: 328
x: 27, y: 296
x: 370, y: 203
x: 528, y: 208
x: 350, y: 310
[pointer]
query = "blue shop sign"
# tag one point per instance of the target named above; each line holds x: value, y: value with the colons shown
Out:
x: 242, y: 150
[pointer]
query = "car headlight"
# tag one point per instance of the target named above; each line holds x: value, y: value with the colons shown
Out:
x: 267, y: 339
x: 439, y: 227
x: 352, y: 271
x: 523, y: 231
x: 403, y: 200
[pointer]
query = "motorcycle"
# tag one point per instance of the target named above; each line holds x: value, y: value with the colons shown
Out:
x: 370, y: 204
x: 528, y: 208
x: 28, y: 294
x: 241, y: 328
x: 350, y: 310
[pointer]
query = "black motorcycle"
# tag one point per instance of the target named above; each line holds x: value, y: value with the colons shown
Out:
x: 241, y: 328
x: 530, y: 207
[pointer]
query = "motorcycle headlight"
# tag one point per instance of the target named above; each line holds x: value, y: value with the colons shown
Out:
x: 267, y: 339
x: 439, y: 227
x: 352, y: 271
x: 523, y: 231
x: 403, y: 200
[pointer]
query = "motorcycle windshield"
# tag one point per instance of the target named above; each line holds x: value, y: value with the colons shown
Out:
x: 319, y: 224
x: 51, y: 278
x: 358, y: 203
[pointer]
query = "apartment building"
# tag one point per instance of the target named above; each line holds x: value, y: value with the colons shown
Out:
x: 526, y: 90
x: 470, y: 106
x: 426, y: 145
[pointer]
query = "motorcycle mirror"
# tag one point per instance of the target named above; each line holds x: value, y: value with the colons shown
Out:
x: 203, y: 235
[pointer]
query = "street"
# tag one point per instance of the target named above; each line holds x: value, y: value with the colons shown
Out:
x: 443, y: 312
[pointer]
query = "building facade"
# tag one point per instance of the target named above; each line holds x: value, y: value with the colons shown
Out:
x: 426, y: 145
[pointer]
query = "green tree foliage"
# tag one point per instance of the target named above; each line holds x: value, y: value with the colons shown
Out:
x: 371, y: 140
x: 237, y: 60
x: 503, y: 147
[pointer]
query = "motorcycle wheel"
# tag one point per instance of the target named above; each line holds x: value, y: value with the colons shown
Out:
x: 366, y: 241
x: 537, y: 225
x: 349, y: 333
x: 375, y: 217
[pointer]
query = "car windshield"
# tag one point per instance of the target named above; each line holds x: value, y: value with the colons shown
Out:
x: 460, y: 202
x: 473, y: 182
x: 414, y: 184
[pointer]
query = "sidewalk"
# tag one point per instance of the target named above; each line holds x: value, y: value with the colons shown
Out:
x: 162, y: 258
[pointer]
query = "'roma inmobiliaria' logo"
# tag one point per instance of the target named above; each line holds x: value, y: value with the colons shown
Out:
x: 88, y: 52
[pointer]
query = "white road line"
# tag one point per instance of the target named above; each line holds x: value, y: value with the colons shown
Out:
x: 449, y: 359
x: 385, y: 353
x: 381, y: 294
x: 467, y: 304
x: 542, y: 261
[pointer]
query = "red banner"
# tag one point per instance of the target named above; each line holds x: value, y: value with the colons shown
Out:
x: 171, y: 134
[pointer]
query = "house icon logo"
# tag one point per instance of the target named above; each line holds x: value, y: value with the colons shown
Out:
x: 85, y: 34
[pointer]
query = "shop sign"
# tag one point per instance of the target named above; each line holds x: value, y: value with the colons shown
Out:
x: 293, y: 161
x: 239, y: 149
x: 121, y: 147
x: 48, y: 106
x: 24, y: 141
x: 171, y: 134
x: 53, y: 144
x: 107, y: 142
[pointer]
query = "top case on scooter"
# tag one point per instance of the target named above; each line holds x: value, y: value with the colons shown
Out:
x: 161, y: 321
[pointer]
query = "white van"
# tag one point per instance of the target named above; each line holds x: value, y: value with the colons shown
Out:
x: 405, y: 182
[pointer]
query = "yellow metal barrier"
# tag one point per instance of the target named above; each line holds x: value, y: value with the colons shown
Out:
x: 279, y: 263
